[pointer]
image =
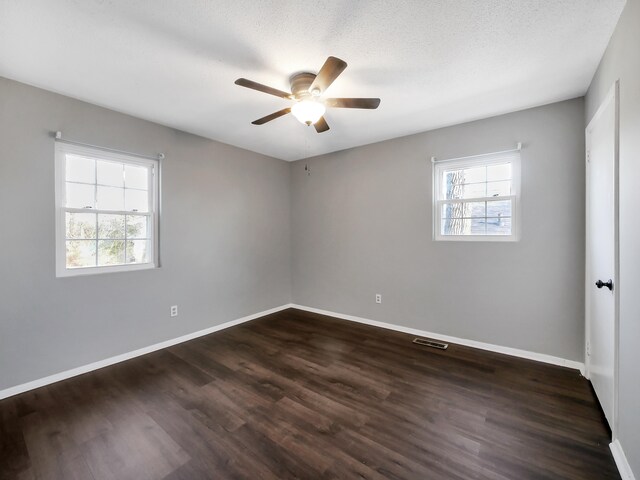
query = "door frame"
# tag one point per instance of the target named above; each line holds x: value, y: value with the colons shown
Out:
x: 612, y: 96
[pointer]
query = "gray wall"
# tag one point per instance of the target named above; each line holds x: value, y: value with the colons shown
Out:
x: 225, y: 240
x: 361, y: 225
x: 622, y: 61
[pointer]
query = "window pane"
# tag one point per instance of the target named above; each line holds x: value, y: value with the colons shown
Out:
x: 81, y: 253
x: 110, y: 198
x: 106, y: 211
x: 80, y: 169
x: 474, y: 175
x: 499, y: 209
x: 451, y: 177
x: 136, y: 201
x: 465, y: 209
x: 453, y: 210
x: 499, y: 226
x: 499, y: 172
x: 463, y: 226
x: 137, y: 226
x: 499, y: 189
x: 466, y: 175
x: 80, y: 225
x: 110, y: 173
x: 138, y: 251
x: 474, y: 190
x: 456, y: 226
x: 80, y: 195
x: 476, y: 195
x: 110, y: 252
x: 111, y: 226
x: 478, y: 226
x: 136, y: 177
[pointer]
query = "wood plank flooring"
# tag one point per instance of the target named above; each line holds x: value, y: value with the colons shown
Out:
x: 297, y: 395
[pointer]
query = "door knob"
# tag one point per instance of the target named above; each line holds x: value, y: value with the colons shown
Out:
x: 608, y: 284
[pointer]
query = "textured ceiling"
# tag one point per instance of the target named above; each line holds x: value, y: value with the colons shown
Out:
x: 433, y: 63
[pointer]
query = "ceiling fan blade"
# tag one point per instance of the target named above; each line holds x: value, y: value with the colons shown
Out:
x: 370, y: 103
x: 243, y: 82
x: 273, y: 116
x: 327, y: 74
x: 321, y: 125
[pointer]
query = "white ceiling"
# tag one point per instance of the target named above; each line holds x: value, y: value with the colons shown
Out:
x: 433, y: 63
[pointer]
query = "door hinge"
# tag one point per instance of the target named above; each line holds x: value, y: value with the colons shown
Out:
x: 588, y: 349
x: 588, y: 156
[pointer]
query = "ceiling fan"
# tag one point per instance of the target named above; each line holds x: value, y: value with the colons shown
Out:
x: 307, y: 89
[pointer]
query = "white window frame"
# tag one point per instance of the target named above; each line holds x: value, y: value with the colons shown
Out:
x: 439, y: 166
x: 61, y: 150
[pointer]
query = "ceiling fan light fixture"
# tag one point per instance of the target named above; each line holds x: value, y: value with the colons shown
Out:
x: 306, y: 88
x: 308, y: 111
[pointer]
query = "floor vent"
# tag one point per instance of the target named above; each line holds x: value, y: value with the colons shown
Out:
x: 431, y: 343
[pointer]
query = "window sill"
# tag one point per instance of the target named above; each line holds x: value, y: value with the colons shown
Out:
x: 84, y: 271
x: 476, y: 238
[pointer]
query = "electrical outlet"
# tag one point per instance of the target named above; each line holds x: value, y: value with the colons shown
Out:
x: 174, y: 310
x: 378, y: 298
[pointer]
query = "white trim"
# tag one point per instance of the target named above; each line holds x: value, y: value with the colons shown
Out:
x: 58, y: 138
x: 514, y: 352
x: 61, y: 149
x: 513, y: 157
x: 621, y: 461
x: 517, y: 149
x: 612, y: 95
x: 616, y: 448
x: 8, y: 392
x: 83, y: 271
x: 15, y: 390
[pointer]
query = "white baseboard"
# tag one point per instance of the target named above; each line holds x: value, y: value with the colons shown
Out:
x: 514, y: 352
x: 616, y: 448
x: 621, y: 461
x: 8, y: 392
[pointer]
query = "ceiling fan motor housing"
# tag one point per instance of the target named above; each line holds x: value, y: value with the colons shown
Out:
x: 300, y: 84
x: 308, y: 107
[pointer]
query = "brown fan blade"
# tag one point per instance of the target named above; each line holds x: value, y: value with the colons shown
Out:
x: 321, y: 125
x: 273, y: 116
x: 327, y: 74
x: 243, y: 82
x: 370, y: 103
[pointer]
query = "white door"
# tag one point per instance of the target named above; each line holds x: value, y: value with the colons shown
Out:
x: 601, y: 253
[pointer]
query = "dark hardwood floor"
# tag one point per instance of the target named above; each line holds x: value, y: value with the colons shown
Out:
x: 300, y: 395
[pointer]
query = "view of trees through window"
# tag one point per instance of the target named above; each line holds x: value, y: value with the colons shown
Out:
x: 105, y: 239
x: 481, y: 201
x: 107, y: 215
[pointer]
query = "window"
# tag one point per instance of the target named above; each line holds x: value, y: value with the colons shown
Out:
x: 106, y: 211
x: 476, y: 198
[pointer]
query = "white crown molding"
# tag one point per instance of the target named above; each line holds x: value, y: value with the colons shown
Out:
x: 41, y: 382
x: 514, y: 352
